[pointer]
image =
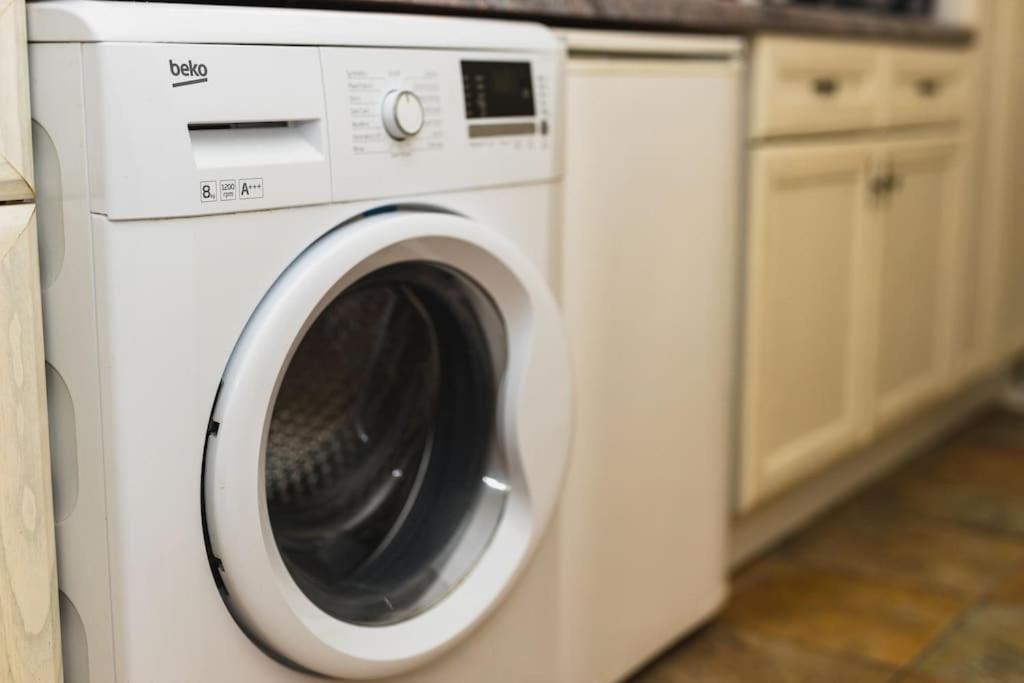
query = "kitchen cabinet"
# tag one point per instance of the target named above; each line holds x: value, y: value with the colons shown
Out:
x: 808, y: 302
x: 857, y: 276
x: 849, y: 298
x: 920, y: 212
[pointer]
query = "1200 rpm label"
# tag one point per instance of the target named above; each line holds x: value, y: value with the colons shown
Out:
x: 230, y: 189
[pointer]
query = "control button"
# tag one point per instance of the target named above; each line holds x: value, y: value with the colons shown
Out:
x: 403, y: 114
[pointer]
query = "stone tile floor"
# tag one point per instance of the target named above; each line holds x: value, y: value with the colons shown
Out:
x: 919, y: 579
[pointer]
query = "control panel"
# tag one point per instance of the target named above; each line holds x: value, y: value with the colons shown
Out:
x: 200, y: 129
x: 413, y: 121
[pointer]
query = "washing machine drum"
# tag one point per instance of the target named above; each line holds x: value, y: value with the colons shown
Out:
x: 387, y: 444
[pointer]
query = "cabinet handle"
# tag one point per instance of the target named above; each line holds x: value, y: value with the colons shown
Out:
x: 885, y: 184
x: 879, y: 185
x: 927, y: 87
x: 825, y: 87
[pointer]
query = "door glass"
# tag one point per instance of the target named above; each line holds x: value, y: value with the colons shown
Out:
x: 384, y: 478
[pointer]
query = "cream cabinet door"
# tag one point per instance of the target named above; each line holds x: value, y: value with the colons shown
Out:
x: 915, y: 264
x: 806, y: 347
x: 648, y: 285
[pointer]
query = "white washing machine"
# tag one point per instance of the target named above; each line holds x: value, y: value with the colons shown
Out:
x: 309, y: 388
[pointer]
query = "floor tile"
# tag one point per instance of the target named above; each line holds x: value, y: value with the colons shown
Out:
x: 918, y: 549
x: 880, y: 620
x: 999, y: 427
x: 915, y: 677
x: 720, y: 654
x: 967, y: 504
x: 986, y: 645
x: 1010, y: 589
x: 995, y: 468
x: 920, y: 579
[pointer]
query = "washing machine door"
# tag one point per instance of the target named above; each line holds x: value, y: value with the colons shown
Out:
x: 387, y: 444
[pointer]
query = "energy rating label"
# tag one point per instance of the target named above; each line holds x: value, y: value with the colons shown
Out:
x: 250, y: 188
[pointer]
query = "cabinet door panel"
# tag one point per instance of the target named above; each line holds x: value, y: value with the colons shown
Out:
x: 648, y: 285
x: 805, y: 361
x: 915, y: 276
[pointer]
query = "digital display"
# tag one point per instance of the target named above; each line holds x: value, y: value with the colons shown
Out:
x: 495, y: 89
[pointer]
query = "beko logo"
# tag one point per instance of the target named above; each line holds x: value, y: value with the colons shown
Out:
x: 191, y: 72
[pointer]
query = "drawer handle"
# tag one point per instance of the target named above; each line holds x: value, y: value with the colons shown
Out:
x: 825, y: 87
x: 927, y: 87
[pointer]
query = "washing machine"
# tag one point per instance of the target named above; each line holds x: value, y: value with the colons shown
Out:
x: 309, y: 386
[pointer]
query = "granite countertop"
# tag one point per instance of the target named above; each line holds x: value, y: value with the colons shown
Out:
x: 709, y: 16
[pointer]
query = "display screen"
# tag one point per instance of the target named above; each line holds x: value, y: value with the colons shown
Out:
x: 494, y: 89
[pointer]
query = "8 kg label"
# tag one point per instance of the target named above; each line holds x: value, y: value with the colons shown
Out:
x: 208, y: 191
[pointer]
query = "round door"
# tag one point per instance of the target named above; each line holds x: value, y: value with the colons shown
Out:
x: 387, y: 444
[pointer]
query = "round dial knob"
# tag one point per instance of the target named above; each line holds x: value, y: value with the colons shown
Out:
x: 403, y: 114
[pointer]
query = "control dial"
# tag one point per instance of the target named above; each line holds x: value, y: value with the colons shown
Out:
x: 403, y: 114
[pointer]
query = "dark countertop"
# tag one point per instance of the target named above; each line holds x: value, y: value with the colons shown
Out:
x: 707, y: 16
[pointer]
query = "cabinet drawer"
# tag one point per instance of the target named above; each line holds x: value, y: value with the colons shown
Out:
x: 812, y: 86
x: 926, y: 86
